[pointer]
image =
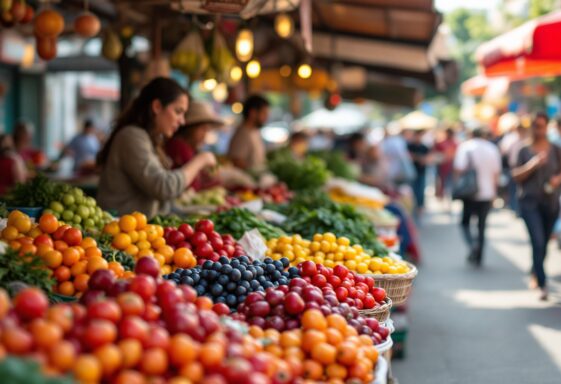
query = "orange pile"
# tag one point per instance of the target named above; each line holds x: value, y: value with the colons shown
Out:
x: 324, y: 349
x: 70, y: 257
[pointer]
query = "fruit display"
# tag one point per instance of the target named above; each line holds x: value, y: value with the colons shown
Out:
x: 232, y: 281
x: 202, y: 242
x: 308, y: 174
x: 238, y: 221
x: 75, y: 208
x: 277, y: 194
x: 351, y: 288
x: 142, y: 329
x: 69, y: 256
x: 339, y: 195
x: 283, y: 309
x: 328, y: 250
x: 314, y: 212
x: 324, y: 349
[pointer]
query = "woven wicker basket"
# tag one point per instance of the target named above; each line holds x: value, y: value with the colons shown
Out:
x: 381, y: 313
x: 398, y: 287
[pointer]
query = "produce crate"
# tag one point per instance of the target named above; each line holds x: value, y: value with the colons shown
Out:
x: 32, y: 212
x: 381, y: 313
x: 398, y: 287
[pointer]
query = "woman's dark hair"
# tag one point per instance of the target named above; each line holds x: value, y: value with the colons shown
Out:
x: 541, y: 115
x: 139, y: 113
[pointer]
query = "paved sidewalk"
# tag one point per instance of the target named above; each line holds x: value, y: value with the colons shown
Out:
x: 481, y: 326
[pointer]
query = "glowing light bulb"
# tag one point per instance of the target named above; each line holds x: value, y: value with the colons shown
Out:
x: 236, y: 74
x: 284, y: 26
x: 253, y: 69
x: 305, y: 71
x: 237, y: 108
x: 244, y: 45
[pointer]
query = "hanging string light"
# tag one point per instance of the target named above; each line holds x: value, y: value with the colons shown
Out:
x: 244, y: 45
x: 284, y: 26
x: 304, y: 71
x: 253, y: 69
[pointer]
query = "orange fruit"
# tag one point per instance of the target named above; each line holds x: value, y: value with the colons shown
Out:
x: 336, y: 371
x: 70, y: 256
x: 151, y: 233
x: 141, y: 220
x: 158, y: 243
x: 154, y: 362
x: 61, y: 315
x: 87, y: 369
x: 314, y: 319
x: 10, y: 233
x: 35, y: 232
x: 26, y: 240
x: 128, y: 275
x: 273, y: 335
x: 53, y: 259
x: 142, y: 235
x: 62, y: 355
x: 346, y: 353
x: 366, y: 340
x: 324, y: 353
x: 145, y: 253
x: 60, y: 245
x: 159, y: 230
x: 129, y: 377
x: 132, y: 250
x: 290, y: 339
x: 42, y: 249
x: 161, y: 259
x: 337, y: 321
x: 127, y: 223
x: 203, y: 302
x: 15, y: 245
x: 121, y: 241
x: 193, y: 371
x: 96, y: 263
x: 371, y: 353
x: 45, y: 333
x: 312, y: 370
x: 183, y: 258
x: 88, y: 242
x: 256, y: 332
x: 295, y: 352
x: 81, y: 282
x: 334, y: 337
x: 143, y: 245
x: 350, y: 331
x: 22, y: 224
x: 28, y: 249
x: 211, y: 354
x: 48, y: 223
x: 117, y: 268
x: 92, y: 252
x: 62, y: 274
x: 112, y: 228
x: 183, y: 350
x: 110, y: 358
x: 79, y: 268
x: 359, y: 371
x: 15, y: 214
x: 134, y: 236
x: 66, y: 288
x: 311, y: 338
x: 167, y: 252
x: 131, y: 350
x: 274, y: 350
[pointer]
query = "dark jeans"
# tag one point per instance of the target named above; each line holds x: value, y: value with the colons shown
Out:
x: 418, y: 186
x: 540, y: 219
x: 479, y: 209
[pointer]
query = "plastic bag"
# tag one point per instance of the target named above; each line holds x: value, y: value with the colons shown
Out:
x: 254, y: 244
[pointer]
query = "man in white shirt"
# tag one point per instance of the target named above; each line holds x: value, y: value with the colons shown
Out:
x: 484, y: 157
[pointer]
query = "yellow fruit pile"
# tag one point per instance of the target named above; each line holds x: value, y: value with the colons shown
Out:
x: 339, y: 196
x: 329, y: 250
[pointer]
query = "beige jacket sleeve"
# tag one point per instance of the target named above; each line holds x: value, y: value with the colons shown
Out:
x: 141, y: 163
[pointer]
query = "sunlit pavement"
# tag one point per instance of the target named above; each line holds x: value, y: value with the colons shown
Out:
x: 481, y: 325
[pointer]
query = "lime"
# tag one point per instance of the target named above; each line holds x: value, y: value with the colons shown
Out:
x: 83, y: 211
x: 77, y: 192
x: 77, y: 219
x: 80, y: 200
x: 68, y: 199
x: 89, y: 223
x: 48, y: 211
x: 90, y: 202
x: 56, y: 206
x: 67, y: 215
x: 57, y: 215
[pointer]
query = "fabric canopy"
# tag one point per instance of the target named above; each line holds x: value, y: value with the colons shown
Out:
x: 418, y: 120
x: 530, y: 50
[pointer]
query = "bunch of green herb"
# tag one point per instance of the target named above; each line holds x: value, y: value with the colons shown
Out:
x: 27, y: 269
x: 16, y: 370
x: 3, y: 210
x: 310, y: 173
x: 169, y: 220
x: 238, y: 221
x: 337, y: 164
x: 37, y: 192
x: 110, y: 254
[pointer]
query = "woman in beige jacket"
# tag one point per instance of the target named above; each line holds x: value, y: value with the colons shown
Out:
x: 136, y: 174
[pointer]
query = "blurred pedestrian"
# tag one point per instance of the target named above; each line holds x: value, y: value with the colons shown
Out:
x: 299, y: 144
x: 375, y: 171
x: 482, y: 156
x: 394, y: 148
x: 420, y: 153
x: 446, y: 149
x: 83, y: 148
x: 11, y: 164
x: 23, y: 142
x: 538, y: 174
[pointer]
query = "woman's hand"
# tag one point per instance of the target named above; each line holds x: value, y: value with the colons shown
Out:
x: 206, y: 159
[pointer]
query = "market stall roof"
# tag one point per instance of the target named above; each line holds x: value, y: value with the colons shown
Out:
x: 487, y: 87
x: 530, y: 50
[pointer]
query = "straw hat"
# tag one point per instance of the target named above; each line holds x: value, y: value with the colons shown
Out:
x: 202, y: 113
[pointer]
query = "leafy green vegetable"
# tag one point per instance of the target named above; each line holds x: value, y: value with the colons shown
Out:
x: 15, y: 370
x: 3, y: 210
x: 28, y: 269
x: 169, y: 220
x: 311, y: 213
x: 110, y: 254
x: 38, y: 192
x: 310, y: 173
x: 237, y: 221
x: 337, y: 164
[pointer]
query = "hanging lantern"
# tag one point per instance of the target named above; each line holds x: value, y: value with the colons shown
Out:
x: 305, y: 71
x: 236, y: 74
x: 253, y: 69
x: 244, y: 45
x: 284, y: 26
